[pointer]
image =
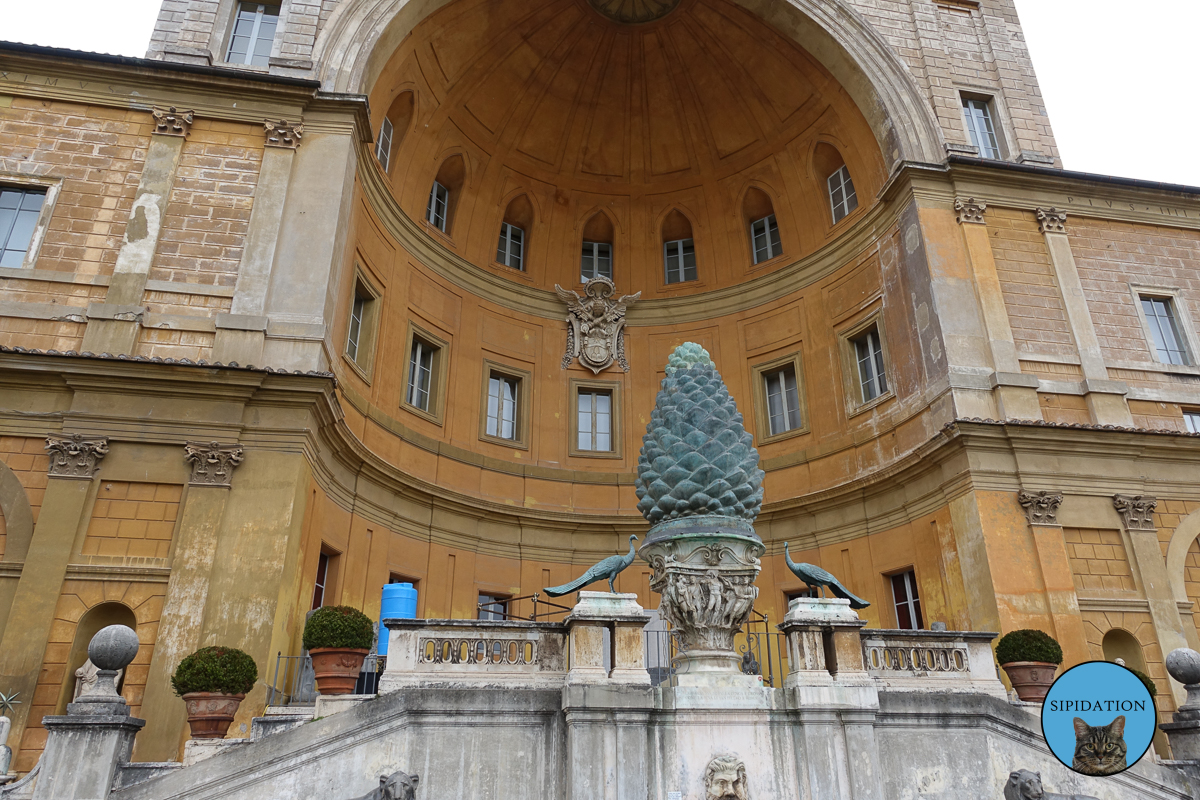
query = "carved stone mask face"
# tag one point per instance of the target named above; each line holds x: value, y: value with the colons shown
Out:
x: 724, y: 785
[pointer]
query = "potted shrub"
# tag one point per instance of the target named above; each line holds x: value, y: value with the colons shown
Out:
x: 1031, y: 658
x: 338, y: 638
x: 212, y: 682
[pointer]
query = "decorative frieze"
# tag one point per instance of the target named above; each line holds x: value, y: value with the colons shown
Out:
x: 74, y: 456
x: 212, y: 462
x: 969, y: 211
x: 173, y: 121
x: 595, y: 325
x: 1041, y: 508
x: 1137, y: 511
x: 283, y: 133
x: 1051, y: 220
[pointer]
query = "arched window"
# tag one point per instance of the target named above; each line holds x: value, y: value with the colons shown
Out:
x: 514, y: 233
x: 443, y: 195
x: 679, y: 249
x: 831, y: 168
x: 596, y: 261
x: 759, y: 217
x: 393, y: 128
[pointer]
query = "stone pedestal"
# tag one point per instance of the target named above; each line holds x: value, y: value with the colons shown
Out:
x: 1184, y: 730
x: 84, y: 748
x: 624, y: 619
x: 823, y: 642
x: 705, y: 568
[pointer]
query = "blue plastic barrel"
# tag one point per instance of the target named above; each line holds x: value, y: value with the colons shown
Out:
x: 399, y: 602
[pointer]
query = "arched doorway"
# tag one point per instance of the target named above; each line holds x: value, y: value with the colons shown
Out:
x: 93, y: 620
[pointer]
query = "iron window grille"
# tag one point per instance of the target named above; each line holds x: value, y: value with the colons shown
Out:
x: 842, y: 197
x: 597, y: 261
x: 978, y: 114
x: 510, y: 251
x: 253, y: 33
x: 764, y: 234
x: 680, y: 259
x: 19, y: 211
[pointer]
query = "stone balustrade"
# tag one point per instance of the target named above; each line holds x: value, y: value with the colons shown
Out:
x: 906, y: 660
x: 426, y: 652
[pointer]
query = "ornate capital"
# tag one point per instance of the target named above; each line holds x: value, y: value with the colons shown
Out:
x: 969, y: 211
x: 172, y: 121
x: 1137, y: 511
x: 212, y: 462
x: 1040, y: 507
x: 75, y: 457
x: 595, y: 325
x: 283, y: 133
x: 1051, y: 220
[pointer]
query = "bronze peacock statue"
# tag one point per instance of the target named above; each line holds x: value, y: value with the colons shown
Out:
x: 814, y: 576
x: 609, y: 568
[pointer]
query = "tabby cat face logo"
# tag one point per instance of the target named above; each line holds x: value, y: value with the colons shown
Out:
x: 1098, y: 718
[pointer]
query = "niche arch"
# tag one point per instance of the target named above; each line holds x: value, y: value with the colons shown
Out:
x: 18, y: 516
x: 98, y: 616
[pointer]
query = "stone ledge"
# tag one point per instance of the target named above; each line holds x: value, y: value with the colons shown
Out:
x: 197, y: 750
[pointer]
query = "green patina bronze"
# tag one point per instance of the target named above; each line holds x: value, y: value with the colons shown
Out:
x: 697, y: 458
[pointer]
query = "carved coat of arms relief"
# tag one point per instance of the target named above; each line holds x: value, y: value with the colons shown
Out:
x: 595, y: 325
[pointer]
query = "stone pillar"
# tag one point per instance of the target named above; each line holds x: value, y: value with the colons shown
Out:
x: 608, y: 740
x: 187, y: 594
x: 241, y: 334
x: 624, y: 619
x: 824, y: 645
x: 1041, y: 511
x: 113, y: 325
x: 74, y: 462
x: 85, y: 747
x: 1015, y: 393
x: 1105, y: 398
x: 1137, y: 515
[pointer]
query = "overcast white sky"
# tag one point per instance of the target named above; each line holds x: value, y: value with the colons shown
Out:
x: 1115, y: 76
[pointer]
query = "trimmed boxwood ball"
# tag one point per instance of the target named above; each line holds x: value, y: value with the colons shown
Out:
x: 1028, y: 644
x: 339, y: 626
x: 223, y: 670
x: 1146, y: 679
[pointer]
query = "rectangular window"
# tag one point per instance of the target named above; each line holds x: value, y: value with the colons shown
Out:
x: 511, y: 247
x: 439, y: 197
x: 383, y: 147
x: 322, y: 580
x: 493, y: 606
x: 783, y: 401
x: 19, y: 211
x: 253, y: 33
x: 868, y: 352
x: 597, y: 261
x: 1191, y: 420
x: 420, y: 375
x: 764, y: 234
x: 978, y: 114
x: 842, y: 197
x: 595, y: 421
x: 680, y: 258
x: 1164, y: 330
x: 502, y: 407
x: 908, y: 604
x: 356, y: 318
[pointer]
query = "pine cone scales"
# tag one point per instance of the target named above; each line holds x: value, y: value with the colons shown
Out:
x: 697, y: 457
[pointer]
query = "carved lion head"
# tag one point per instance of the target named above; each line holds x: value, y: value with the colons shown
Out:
x: 1023, y: 785
x: 398, y: 786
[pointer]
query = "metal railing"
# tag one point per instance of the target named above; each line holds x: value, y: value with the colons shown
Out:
x: 762, y: 652
x: 294, y: 683
x: 508, y: 608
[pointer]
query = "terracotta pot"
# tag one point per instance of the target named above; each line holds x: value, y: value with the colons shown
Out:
x: 337, y: 668
x: 1031, y: 679
x: 210, y: 714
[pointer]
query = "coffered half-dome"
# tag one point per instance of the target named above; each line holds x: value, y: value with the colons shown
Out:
x: 682, y: 116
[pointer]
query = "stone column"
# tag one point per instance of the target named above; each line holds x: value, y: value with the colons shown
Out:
x: 1041, y: 511
x: 1016, y: 393
x: 74, y: 462
x: 85, y: 747
x: 1137, y: 515
x: 1106, y: 398
x: 241, y: 333
x: 624, y: 619
x: 187, y: 594
x: 113, y: 325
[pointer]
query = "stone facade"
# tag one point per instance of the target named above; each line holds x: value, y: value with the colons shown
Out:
x: 1017, y: 355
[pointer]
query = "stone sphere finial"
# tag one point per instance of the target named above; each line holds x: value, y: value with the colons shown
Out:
x: 113, y: 647
x: 1184, y: 665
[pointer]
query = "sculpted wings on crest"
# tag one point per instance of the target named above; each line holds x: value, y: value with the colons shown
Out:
x: 595, y: 325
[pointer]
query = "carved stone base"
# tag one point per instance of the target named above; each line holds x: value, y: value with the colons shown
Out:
x: 705, y: 569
